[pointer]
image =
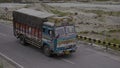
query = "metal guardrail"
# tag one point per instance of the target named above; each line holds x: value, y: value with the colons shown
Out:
x: 105, y: 43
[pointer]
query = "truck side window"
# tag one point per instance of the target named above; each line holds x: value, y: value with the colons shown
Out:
x: 50, y: 32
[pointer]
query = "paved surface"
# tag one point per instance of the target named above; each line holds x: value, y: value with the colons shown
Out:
x: 31, y: 57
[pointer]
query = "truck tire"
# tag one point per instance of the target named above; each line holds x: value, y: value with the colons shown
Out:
x: 47, y: 51
x: 22, y: 40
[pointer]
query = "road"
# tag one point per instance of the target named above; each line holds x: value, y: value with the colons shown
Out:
x: 31, y: 57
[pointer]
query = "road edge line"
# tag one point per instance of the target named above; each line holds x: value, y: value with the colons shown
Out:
x: 11, y: 61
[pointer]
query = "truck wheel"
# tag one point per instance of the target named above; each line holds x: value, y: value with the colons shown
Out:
x: 22, y: 40
x: 47, y: 51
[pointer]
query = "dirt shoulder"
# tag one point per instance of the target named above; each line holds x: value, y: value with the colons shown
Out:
x: 5, y: 64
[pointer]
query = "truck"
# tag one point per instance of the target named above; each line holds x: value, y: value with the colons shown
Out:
x: 52, y: 34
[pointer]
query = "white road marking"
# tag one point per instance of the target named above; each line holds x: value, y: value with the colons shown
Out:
x: 10, y: 60
x: 68, y: 61
x: 116, y: 58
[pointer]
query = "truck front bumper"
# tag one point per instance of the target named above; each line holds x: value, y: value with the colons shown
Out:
x: 62, y: 51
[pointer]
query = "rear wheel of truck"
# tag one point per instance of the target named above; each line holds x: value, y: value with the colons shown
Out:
x: 22, y: 40
x: 47, y: 51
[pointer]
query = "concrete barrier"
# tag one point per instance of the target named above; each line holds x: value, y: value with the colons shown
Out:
x: 107, y: 44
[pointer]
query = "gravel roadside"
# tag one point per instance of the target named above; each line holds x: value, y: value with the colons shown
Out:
x: 5, y: 64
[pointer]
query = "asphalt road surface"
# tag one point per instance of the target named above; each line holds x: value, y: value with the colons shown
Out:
x: 31, y: 57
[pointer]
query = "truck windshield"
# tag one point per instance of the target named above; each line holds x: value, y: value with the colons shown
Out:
x: 63, y: 31
x: 60, y: 31
x: 69, y: 29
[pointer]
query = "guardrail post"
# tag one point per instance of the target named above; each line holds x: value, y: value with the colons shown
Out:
x: 105, y: 43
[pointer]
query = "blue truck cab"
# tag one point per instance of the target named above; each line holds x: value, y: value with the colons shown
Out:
x: 59, y: 36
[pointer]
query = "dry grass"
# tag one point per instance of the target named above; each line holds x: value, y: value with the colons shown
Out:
x: 1, y: 65
x: 100, y: 13
x: 60, y: 13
